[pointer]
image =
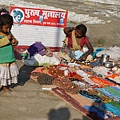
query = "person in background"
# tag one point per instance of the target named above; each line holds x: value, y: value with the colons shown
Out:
x: 74, y: 42
x: 8, y: 66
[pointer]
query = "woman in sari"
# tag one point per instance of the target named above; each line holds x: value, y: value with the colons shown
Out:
x: 74, y: 42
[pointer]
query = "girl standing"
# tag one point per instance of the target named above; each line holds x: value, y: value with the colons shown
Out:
x: 8, y: 66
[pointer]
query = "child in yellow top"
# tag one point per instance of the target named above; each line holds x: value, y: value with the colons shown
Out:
x: 8, y: 66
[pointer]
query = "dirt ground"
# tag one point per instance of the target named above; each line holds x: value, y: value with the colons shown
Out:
x: 28, y: 101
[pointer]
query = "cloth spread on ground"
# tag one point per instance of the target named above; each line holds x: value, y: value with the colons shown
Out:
x: 113, y: 52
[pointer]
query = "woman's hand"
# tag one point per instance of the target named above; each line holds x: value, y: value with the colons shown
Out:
x: 83, y: 58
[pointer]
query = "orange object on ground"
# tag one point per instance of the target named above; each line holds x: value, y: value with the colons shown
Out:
x: 112, y: 76
x: 101, y: 82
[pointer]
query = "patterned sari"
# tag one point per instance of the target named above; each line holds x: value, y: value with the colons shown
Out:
x: 70, y: 45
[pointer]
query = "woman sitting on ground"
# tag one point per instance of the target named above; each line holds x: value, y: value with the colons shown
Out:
x: 74, y: 42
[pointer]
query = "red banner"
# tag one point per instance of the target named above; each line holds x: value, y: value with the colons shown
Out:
x: 39, y: 17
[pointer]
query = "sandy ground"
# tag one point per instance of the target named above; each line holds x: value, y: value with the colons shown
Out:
x: 28, y: 101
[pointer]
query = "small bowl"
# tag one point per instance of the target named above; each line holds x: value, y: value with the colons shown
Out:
x: 109, y: 64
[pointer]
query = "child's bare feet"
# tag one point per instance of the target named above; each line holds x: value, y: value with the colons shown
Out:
x: 6, y: 89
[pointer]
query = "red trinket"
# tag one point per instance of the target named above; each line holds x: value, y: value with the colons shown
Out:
x: 109, y: 72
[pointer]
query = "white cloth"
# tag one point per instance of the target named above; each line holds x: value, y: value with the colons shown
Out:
x: 113, y: 52
x: 38, y: 60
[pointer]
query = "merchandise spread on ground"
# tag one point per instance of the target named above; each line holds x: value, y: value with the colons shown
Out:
x: 92, y: 90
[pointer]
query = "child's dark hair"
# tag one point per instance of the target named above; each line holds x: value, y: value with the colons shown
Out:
x: 3, y: 11
x: 5, y: 18
x: 82, y: 28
